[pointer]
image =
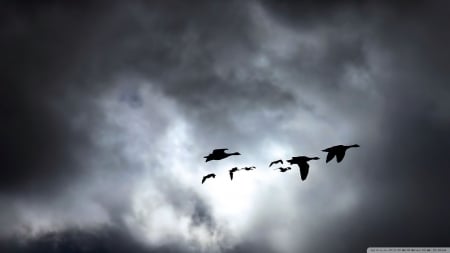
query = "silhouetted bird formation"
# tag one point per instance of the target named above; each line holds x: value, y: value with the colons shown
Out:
x: 301, y: 161
x: 232, y: 171
x: 208, y: 176
x: 219, y: 154
x: 283, y: 169
x: 338, y: 152
x: 275, y: 162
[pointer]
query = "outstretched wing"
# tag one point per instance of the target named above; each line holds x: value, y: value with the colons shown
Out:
x: 219, y: 150
x: 340, y: 155
x: 204, y: 178
x: 231, y: 175
x: 330, y: 156
x: 275, y: 162
x: 304, y: 169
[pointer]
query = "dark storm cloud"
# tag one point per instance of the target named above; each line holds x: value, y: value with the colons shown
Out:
x: 405, y: 170
x: 108, y: 239
x: 58, y: 59
x: 105, y: 240
x: 39, y: 46
x: 340, y: 37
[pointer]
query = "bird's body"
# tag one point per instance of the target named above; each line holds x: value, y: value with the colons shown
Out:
x: 219, y: 154
x: 249, y: 168
x: 283, y: 169
x: 232, y: 171
x: 338, y: 152
x: 208, y: 176
x: 302, y: 162
x: 275, y: 162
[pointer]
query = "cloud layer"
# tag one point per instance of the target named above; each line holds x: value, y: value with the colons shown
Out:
x: 108, y: 109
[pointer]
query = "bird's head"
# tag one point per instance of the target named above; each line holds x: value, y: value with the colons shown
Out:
x: 355, y: 146
x: 314, y: 158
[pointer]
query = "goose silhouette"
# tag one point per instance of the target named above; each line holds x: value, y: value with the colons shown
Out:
x: 338, y: 152
x: 249, y: 168
x: 275, y: 162
x: 232, y: 171
x: 302, y: 162
x: 208, y: 176
x: 283, y: 169
x: 219, y: 154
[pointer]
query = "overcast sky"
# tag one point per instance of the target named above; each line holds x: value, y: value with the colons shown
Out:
x: 107, y: 109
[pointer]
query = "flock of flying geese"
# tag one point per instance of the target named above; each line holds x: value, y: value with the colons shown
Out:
x: 301, y: 161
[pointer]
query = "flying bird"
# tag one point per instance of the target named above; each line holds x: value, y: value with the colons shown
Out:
x: 275, y: 162
x: 249, y: 168
x: 232, y: 171
x: 208, y: 176
x: 302, y: 162
x: 283, y: 169
x: 338, y: 152
x: 219, y: 154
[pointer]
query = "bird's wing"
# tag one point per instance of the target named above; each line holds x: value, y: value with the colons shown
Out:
x: 340, y: 155
x: 304, y: 169
x: 231, y: 175
x: 330, y: 156
x: 203, y: 180
x: 275, y: 162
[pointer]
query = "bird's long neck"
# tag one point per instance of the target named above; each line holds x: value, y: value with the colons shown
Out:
x: 235, y: 153
x: 353, y: 146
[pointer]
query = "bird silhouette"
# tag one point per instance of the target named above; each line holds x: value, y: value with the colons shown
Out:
x: 249, y: 168
x: 275, y: 162
x: 302, y: 162
x: 219, y: 154
x: 232, y: 171
x: 208, y: 176
x: 283, y: 169
x: 338, y: 152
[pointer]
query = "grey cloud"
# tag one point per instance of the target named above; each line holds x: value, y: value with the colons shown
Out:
x: 83, y: 75
x: 402, y: 173
x: 38, y: 141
